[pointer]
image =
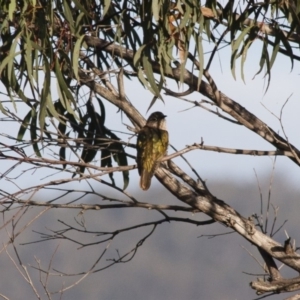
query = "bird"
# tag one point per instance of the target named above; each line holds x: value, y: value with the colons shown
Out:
x: 152, y: 144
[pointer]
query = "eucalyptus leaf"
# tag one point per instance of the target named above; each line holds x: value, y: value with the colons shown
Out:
x: 75, y: 57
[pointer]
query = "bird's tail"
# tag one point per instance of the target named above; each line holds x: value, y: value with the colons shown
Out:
x: 145, y: 180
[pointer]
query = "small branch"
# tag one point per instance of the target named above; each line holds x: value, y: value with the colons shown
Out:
x: 228, y: 150
x: 110, y: 235
x: 45, y: 161
x: 276, y: 286
x: 86, y: 207
x: 238, y: 112
x: 271, y: 265
x: 213, y: 207
x: 188, y: 163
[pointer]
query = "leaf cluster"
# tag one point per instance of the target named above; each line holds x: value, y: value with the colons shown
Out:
x: 44, y: 47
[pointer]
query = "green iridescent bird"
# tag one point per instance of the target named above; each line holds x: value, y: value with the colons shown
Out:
x: 152, y: 144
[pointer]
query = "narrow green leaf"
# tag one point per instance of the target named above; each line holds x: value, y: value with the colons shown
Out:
x: 106, y: 158
x: 262, y: 58
x: 51, y: 109
x: 81, y: 7
x: 137, y: 56
x: 152, y: 103
x: 76, y: 57
x: 24, y: 126
x: 120, y: 157
x: 62, y: 155
x: 160, y: 85
x: 235, y: 46
x: 63, y: 99
x: 14, y: 86
x: 69, y: 16
x: 2, y: 109
x: 207, y: 28
x: 246, y: 46
x: 232, y: 63
x: 186, y: 17
x: 155, y: 9
x: 106, y: 7
x: 150, y: 76
x: 107, y: 162
x: 11, y: 9
x: 102, y: 109
x: 275, y: 50
x: 267, y: 60
x: 64, y: 92
x: 28, y: 58
x: 199, y: 48
x: 33, y: 135
x: 5, y: 62
x: 44, y: 95
x: 89, y: 153
x: 36, y: 68
x: 10, y: 58
x: 237, y: 42
x: 78, y: 21
x: 143, y: 80
x: 14, y: 83
x: 287, y: 46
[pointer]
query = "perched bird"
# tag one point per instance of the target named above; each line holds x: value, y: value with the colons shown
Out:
x: 152, y: 144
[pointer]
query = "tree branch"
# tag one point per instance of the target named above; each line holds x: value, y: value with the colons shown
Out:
x: 204, y: 201
x: 228, y: 105
x: 276, y: 286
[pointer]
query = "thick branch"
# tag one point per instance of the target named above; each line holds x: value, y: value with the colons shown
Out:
x: 271, y: 265
x: 223, y: 213
x: 276, y: 286
x: 228, y: 105
x: 202, y: 200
